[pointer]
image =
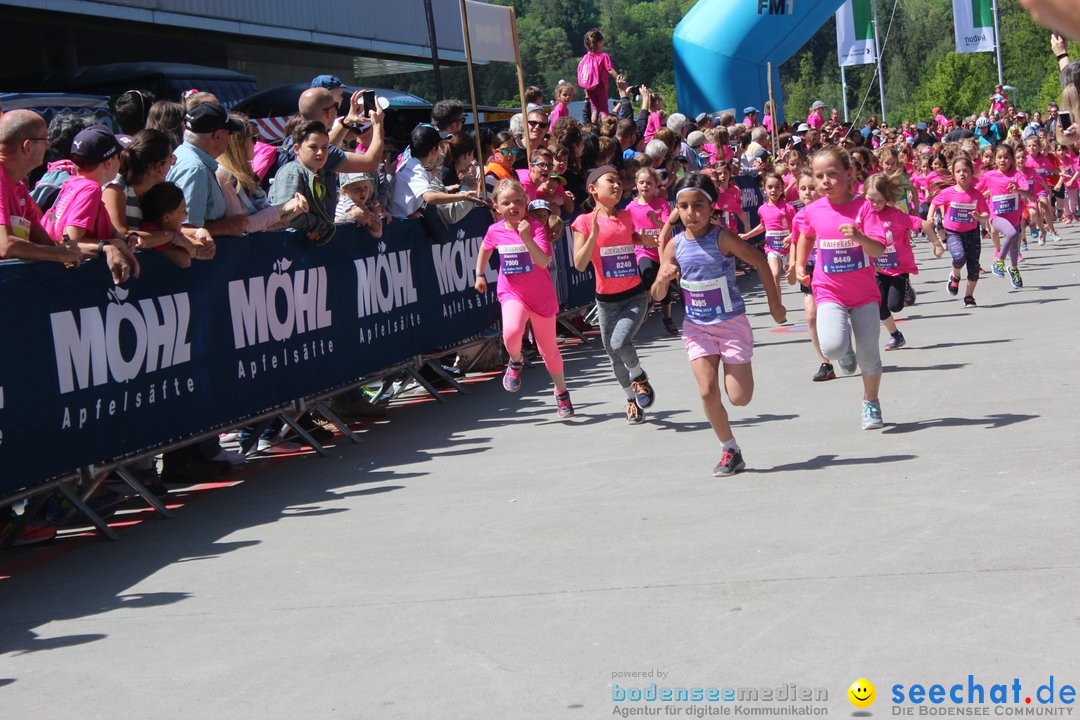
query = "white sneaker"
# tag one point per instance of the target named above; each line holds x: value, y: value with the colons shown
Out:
x: 278, y: 447
x: 232, y: 457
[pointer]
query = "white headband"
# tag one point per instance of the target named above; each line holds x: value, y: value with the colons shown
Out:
x: 703, y: 191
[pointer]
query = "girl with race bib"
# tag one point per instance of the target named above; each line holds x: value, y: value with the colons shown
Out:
x: 649, y: 211
x: 729, y: 199
x: 963, y: 208
x: 844, y: 287
x: 807, y: 195
x: 526, y: 291
x: 716, y: 330
x: 1005, y: 186
x: 1048, y: 170
x: 606, y: 238
x: 898, y: 261
x: 776, y: 215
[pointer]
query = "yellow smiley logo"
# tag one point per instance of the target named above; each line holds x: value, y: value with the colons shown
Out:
x: 862, y: 693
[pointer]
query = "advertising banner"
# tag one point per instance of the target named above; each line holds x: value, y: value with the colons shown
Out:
x: 855, y: 33
x: 973, y: 24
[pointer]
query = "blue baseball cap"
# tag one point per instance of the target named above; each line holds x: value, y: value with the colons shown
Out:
x: 750, y: 109
x: 330, y: 82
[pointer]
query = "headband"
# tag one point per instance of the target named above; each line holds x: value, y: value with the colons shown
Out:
x: 703, y: 191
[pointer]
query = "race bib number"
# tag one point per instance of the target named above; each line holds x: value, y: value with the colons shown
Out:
x: 887, y: 260
x: 618, y: 261
x: 514, y: 259
x: 1005, y: 204
x: 774, y: 240
x: 840, y: 256
x: 20, y: 227
x: 962, y: 213
x: 707, y: 300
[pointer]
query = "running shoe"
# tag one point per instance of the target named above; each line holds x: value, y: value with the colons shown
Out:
x: 825, y: 372
x: 670, y: 327
x: 1014, y: 276
x: 1042, y: 241
x: 954, y: 284
x: 848, y: 363
x: 512, y: 376
x: 634, y: 414
x: 871, y: 416
x: 643, y: 390
x: 999, y: 267
x: 270, y: 446
x: 1034, y: 232
x: 1023, y: 245
x: 1055, y: 237
x: 566, y: 408
x: 731, y: 462
x: 897, y: 341
x: 969, y: 301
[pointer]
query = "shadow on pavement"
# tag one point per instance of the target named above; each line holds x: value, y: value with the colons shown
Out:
x: 992, y: 422
x: 825, y: 461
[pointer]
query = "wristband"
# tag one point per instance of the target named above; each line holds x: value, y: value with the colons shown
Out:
x: 1062, y: 56
x: 101, y: 247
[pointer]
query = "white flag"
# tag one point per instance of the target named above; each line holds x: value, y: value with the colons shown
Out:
x: 974, y: 25
x: 490, y: 32
x: 855, y: 33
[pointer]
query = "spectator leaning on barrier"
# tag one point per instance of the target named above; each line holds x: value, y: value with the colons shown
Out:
x: 207, y: 128
x: 413, y: 183
x: 240, y: 185
x: 359, y: 205
x: 23, y: 141
x: 306, y: 176
x: 64, y: 127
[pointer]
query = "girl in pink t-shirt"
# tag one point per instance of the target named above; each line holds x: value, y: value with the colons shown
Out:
x: 1006, y: 187
x: 776, y: 215
x: 897, y: 263
x: 1048, y: 171
x: 807, y: 195
x: 564, y: 95
x: 963, y: 209
x: 601, y: 69
x: 844, y: 287
x: 649, y: 211
x: 526, y: 291
x: 728, y: 200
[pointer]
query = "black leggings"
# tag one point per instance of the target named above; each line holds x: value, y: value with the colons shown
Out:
x: 892, y: 293
x: 648, y: 269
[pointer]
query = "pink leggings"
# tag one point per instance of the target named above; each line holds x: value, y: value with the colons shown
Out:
x: 598, y: 98
x: 514, y: 315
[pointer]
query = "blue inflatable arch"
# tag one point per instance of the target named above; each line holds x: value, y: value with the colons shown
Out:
x: 722, y: 47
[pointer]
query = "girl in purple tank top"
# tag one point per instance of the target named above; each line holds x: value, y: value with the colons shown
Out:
x: 715, y: 330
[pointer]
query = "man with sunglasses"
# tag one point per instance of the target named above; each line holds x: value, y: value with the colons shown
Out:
x: 536, y: 134
x: 23, y: 140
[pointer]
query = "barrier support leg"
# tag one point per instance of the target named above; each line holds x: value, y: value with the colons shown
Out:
x: 253, y: 440
x: 295, y: 426
x: 414, y: 373
x: 437, y: 368
x: 85, y: 510
x: 569, y: 327
x: 324, y: 409
x: 151, y: 499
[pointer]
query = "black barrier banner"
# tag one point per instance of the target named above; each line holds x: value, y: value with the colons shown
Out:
x: 751, y: 197
x: 92, y: 371
x: 576, y: 289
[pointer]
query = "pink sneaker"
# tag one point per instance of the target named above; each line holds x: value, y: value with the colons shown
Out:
x: 566, y: 408
x: 512, y: 376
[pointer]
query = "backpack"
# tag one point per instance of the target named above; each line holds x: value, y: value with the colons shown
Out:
x: 284, y: 155
x: 47, y: 188
x: 587, y: 77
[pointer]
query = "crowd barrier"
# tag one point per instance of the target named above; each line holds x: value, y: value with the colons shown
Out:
x: 92, y: 372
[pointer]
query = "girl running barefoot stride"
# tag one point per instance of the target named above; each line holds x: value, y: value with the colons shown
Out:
x: 716, y: 330
x: 844, y: 287
x: 606, y: 238
x: 526, y: 291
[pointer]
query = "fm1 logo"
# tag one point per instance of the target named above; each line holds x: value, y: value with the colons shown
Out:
x: 775, y: 7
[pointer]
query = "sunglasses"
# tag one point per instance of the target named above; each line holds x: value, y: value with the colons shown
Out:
x: 510, y: 151
x: 536, y: 123
x: 544, y: 166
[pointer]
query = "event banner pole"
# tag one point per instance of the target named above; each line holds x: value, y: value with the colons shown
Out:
x: 877, y: 51
x: 772, y: 104
x: 997, y: 43
x: 472, y: 93
x: 434, y: 49
x: 843, y: 89
x: 521, y: 83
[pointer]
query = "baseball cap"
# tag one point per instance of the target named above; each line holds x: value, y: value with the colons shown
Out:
x: 750, y: 109
x: 539, y: 205
x: 803, y: 127
x: 95, y: 144
x: 695, y: 139
x: 817, y: 104
x: 701, y: 118
x: 208, y: 117
x: 330, y: 82
x: 347, y: 179
x: 921, y: 126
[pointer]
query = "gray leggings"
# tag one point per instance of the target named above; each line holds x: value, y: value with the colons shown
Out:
x: 835, y: 324
x: 619, y: 323
x: 1010, y: 240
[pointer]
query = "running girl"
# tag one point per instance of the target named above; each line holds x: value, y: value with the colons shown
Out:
x: 649, y: 212
x: 1005, y: 187
x: 526, y: 291
x: 843, y: 283
x: 728, y: 199
x: 963, y: 209
x: 716, y: 330
x: 807, y: 195
x: 776, y: 216
x: 1049, y: 171
x: 606, y: 238
x: 898, y: 261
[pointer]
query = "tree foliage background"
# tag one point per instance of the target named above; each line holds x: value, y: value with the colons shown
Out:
x: 920, y: 66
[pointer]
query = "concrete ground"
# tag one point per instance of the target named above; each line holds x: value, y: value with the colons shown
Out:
x: 482, y: 559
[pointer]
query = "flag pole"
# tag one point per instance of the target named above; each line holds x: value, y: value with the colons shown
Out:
x: 843, y: 89
x: 521, y: 83
x: 877, y: 51
x: 472, y: 93
x: 772, y: 106
x: 997, y: 42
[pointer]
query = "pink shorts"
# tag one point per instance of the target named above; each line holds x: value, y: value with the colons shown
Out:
x: 732, y: 340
